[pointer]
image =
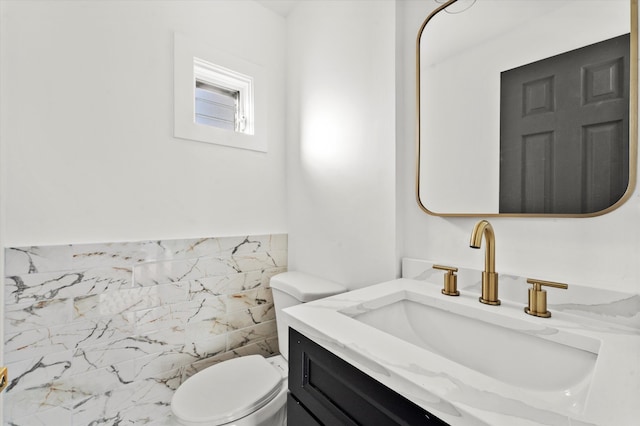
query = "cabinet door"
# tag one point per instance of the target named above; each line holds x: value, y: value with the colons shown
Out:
x: 297, y: 414
x: 336, y: 393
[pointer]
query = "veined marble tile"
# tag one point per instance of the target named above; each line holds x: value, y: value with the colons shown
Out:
x: 268, y: 273
x: 164, y: 419
x: 223, y: 246
x: 251, y: 316
x: 259, y: 243
x: 206, y: 309
x: 191, y: 269
x: 103, y: 330
x: 115, y: 352
x: 56, y: 258
x: 210, y: 347
x: 60, y: 285
x: 157, y: 392
x: 224, y: 284
x: 121, y: 254
x: 35, y: 399
x: 39, y: 259
x: 150, y: 413
x: 100, y: 330
x: 166, y: 316
x: 29, y: 316
x: 158, y: 317
x: 196, y: 367
x: 36, y: 259
x: 92, y: 418
x: 179, y: 270
x: 265, y: 295
x: 115, y: 302
x: 266, y: 348
x: 249, y: 299
x: 206, y: 329
x: 152, y: 398
x: 103, y: 408
x: 259, y: 261
x: 87, y: 346
x: 101, y: 381
x: 279, y: 241
x: 174, y: 292
x: 190, y: 248
x: 58, y: 416
x: 172, y: 336
x: 42, y: 259
x: 204, y: 247
x: 208, y: 287
x: 33, y: 373
x: 253, y: 334
x: 163, y: 365
x: 36, y: 343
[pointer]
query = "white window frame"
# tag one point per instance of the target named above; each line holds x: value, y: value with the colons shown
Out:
x: 193, y: 61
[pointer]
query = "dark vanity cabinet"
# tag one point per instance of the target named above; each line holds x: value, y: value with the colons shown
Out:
x: 326, y: 390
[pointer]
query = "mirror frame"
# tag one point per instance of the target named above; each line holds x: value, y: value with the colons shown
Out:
x: 633, y: 127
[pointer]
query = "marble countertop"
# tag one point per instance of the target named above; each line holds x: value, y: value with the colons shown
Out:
x: 460, y: 395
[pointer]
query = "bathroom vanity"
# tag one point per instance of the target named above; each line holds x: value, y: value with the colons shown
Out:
x: 401, y: 352
x: 325, y: 389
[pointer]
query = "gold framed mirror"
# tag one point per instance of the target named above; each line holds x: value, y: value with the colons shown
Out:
x: 577, y: 161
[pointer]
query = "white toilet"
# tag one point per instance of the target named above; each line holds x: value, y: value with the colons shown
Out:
x: 250, y: 390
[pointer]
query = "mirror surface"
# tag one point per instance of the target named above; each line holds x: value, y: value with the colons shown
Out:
x: 462, y: 49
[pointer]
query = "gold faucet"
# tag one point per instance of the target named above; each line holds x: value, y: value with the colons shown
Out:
x: 489, y: 275
x: 538, y: 297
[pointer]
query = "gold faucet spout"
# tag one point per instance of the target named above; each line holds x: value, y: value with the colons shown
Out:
x: 484, y: 228
x: 489, y: 276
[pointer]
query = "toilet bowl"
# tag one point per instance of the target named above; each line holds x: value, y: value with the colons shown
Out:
x: 249, y: 390
x: 245, y: 391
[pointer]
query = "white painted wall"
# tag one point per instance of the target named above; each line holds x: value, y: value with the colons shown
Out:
x: 341, y: 140
x: 94, y: 159
x: 86, y: 114
x: 601, y: 252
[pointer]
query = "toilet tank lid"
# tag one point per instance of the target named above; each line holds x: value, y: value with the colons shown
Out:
x: 305, y: 287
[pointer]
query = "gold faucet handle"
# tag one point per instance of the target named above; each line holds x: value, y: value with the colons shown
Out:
x: 538, y: 297
x: 450, y: 280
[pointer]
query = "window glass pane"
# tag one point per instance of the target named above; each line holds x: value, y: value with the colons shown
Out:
x: 215, y: 106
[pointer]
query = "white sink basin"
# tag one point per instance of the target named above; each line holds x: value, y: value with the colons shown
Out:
x: 524, y: 353
x: 471, y: 364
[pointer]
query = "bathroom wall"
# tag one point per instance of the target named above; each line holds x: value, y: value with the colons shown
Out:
x: 86, y: 142
x: 104, y: 333
x: 600, y: 252
x: 341, y: 117
x: 87, y: 155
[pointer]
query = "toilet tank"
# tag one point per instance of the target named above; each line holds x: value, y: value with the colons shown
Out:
x: 293, y: 288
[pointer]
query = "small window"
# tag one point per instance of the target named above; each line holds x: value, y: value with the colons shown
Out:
x: 217, y: 107
x: 219, y: 98
x: 223, y: 98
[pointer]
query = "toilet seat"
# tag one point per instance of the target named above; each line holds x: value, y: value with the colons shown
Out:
x: 226, y: 391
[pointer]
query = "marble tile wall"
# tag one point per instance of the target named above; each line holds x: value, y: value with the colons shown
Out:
x: 102, y: 334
